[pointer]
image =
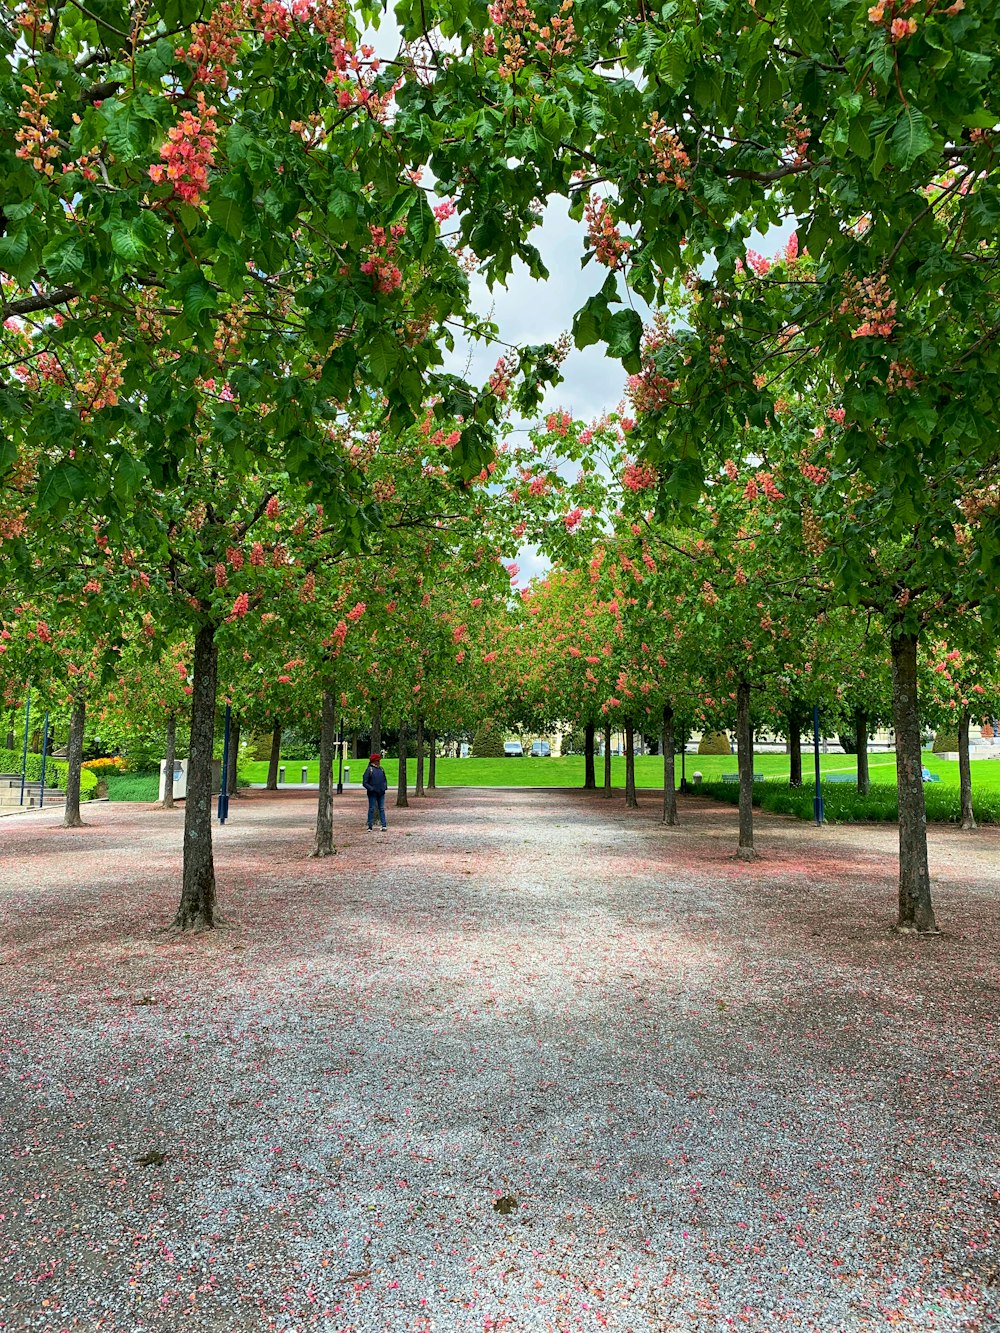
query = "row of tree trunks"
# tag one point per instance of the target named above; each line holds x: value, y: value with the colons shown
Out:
x: 324, y: 809
x: 589, y: 772
x: 275, y: 760
x: 197, y: 904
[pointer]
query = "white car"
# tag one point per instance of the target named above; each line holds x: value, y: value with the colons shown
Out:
x: 513, y: 750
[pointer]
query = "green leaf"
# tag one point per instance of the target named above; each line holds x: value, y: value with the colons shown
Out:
x: 383, y: 356
x: 911, y: 138
x: 123, y: 128
x: 227, y: 213
x: 590, y: 321
x: 61, y: 486
x: 126, y: 242
x: 65, y: 259
x: 197, y: 298
x: 624, y: 334
x: 129, y: 476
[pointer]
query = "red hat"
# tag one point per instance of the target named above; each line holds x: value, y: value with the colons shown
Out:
x: 377, y: 757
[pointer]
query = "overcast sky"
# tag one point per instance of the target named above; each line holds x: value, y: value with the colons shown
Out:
x: 529, y: 311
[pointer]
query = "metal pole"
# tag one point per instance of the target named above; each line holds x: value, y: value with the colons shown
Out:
x: 818, y: 796
x: 224, y: 784
x: 340, y: 768
x: 24, y: 756
x: 684, y: 781
x: 45, y: 747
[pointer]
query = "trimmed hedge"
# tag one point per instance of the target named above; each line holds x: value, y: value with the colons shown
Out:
x: 714, y: 742
x: 842, y: 803
x: 55, y: 771
x: 945, y: 741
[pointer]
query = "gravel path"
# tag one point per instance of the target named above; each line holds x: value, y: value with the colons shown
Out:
x: 526, y: 1062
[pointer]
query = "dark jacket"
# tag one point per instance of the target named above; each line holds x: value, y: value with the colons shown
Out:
x: 374, y: 779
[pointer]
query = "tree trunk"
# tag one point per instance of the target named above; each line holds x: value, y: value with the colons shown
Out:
x: 196, y: 910
x: 432, y: 762
x: 964, y: 770
x: 324, y: 808
x: 418, y: 789
x: 669, y: 777
x: 377, y: 731
x: 74, y: 756
x: 794, y: 750
x: 234, y: 754
x: 589, y: 774
x: 861, y: 740
x: 171, y: 755
x: 607, y: 759
x: 915, y: 910
x: 275, y: 760
x: 630, y: 800
x: 744, y: 751
x: 401, y: 783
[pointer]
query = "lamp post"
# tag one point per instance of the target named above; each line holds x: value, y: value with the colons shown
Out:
x: 45, y: 749
x: 224, y: 784
x: 818, y: 795
x: 684, y: 781
x: 340, y: 765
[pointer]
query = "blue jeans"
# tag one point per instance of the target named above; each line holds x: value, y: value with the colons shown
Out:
x: 376, y: 801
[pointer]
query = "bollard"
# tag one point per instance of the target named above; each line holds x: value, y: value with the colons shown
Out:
x: 347, y: 775
x: 696, y: 776
x: 305, y: 775
x: 281, y: 773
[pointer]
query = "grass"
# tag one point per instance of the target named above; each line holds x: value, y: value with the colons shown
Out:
x: 841, y: 800
x: 568, y: 771
x: 133, y: 786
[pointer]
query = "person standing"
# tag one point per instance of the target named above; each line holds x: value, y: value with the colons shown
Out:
x: 375, y: 784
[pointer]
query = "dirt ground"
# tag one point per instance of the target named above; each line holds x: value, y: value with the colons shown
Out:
x: 528, y: 1061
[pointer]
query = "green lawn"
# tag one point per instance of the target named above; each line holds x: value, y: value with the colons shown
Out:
x: 568, y: 771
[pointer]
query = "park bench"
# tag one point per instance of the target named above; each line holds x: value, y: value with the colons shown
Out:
x: 735, y: 777
x: 841, y: 777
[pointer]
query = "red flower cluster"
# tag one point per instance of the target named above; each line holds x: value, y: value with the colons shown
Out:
x: 188, y: 154
x: 379, y: 266
x: 610, y: 247
x: 639, y: 477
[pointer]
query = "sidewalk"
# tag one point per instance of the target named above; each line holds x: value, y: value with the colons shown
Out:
x: 518, y: 1065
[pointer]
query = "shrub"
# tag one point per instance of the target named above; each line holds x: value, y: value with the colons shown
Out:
x: 256, y: 748
x: 714, y: 742
x: 103, y: 766
x: 488, y: 741
x: 946, y: 740
x: 843, y: 804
